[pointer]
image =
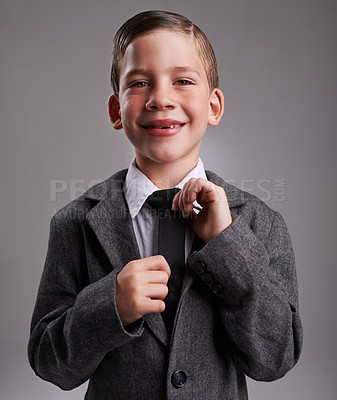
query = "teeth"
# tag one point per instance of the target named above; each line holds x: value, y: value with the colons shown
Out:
x: 169, y: 127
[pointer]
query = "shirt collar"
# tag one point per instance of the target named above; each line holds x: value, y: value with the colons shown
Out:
x: 138, y: 187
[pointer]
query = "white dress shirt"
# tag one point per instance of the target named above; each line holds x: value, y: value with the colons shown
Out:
x: 137, y: 188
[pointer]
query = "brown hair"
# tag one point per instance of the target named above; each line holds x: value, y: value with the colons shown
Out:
x: 151, y: 20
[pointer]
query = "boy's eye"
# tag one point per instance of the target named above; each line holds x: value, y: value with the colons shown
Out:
x: 183, y: 82
x: 139, y: 84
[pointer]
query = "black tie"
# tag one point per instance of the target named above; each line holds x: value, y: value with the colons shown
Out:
x: 171, y: 244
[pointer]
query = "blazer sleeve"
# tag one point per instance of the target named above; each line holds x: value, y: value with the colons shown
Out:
x: 74, y: 324
x: 254, y: 281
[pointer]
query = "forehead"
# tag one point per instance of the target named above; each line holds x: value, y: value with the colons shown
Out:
x: 162, y: 47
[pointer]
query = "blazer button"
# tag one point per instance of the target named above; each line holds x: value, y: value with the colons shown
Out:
x: 207, y: 278
x: 178, y: 379
x: 217, y: 288
x: 201, y: 267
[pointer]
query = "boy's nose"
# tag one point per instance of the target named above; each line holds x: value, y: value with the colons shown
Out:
x: 160, y: 99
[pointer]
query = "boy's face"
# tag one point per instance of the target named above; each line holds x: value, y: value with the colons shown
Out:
x: 164, y: 104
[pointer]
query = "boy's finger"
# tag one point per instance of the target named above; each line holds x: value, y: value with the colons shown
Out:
x: 199, y: 190
x: 187, y: 198
x: 175, y: 201
x: 156, y: 291
x: 182, y: 205
x: 152, y: 306
x: 206, y: 192
x: 190, y: 192
x: 157, y: 262
x: 193, y: 189
x: 155, y: 277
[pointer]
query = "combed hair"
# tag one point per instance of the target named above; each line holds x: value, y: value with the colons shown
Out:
x: 147, y: 21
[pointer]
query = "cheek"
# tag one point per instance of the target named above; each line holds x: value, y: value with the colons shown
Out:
x: 196, y: 99
x: 130, y: 108
x: 197, y: 108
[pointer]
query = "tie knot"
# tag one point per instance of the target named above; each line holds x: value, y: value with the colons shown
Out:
x: 162, y: 199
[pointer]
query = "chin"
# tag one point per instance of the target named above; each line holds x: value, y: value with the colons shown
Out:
x: 166, y: 155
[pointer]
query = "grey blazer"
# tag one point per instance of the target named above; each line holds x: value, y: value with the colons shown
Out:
x: 237, y: 313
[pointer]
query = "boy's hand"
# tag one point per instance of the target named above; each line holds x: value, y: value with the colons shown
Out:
x: 141, y: 287
x: 214, y: 216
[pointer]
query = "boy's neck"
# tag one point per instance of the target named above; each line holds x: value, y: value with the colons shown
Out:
x: 166, y: 175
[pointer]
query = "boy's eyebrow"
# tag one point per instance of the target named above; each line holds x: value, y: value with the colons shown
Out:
x: 180, y: 69
x: 186, y: 69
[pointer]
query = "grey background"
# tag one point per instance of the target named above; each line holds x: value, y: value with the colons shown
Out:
x: 277, y: 64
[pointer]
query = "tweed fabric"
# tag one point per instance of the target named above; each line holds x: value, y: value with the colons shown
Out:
x: 237, y: 314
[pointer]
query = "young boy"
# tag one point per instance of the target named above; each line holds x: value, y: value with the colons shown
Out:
x: 116, y: 305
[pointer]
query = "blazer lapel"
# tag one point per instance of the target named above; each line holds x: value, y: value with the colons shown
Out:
x: 111, y: 221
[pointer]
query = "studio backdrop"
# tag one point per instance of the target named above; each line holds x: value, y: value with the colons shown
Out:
x: 277, y: 139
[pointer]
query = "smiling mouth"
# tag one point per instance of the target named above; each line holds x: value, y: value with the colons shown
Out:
x: 164, y: 127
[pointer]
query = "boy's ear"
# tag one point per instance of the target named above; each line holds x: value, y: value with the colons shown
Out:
x: 115, y: 111
x: 216, y: 107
